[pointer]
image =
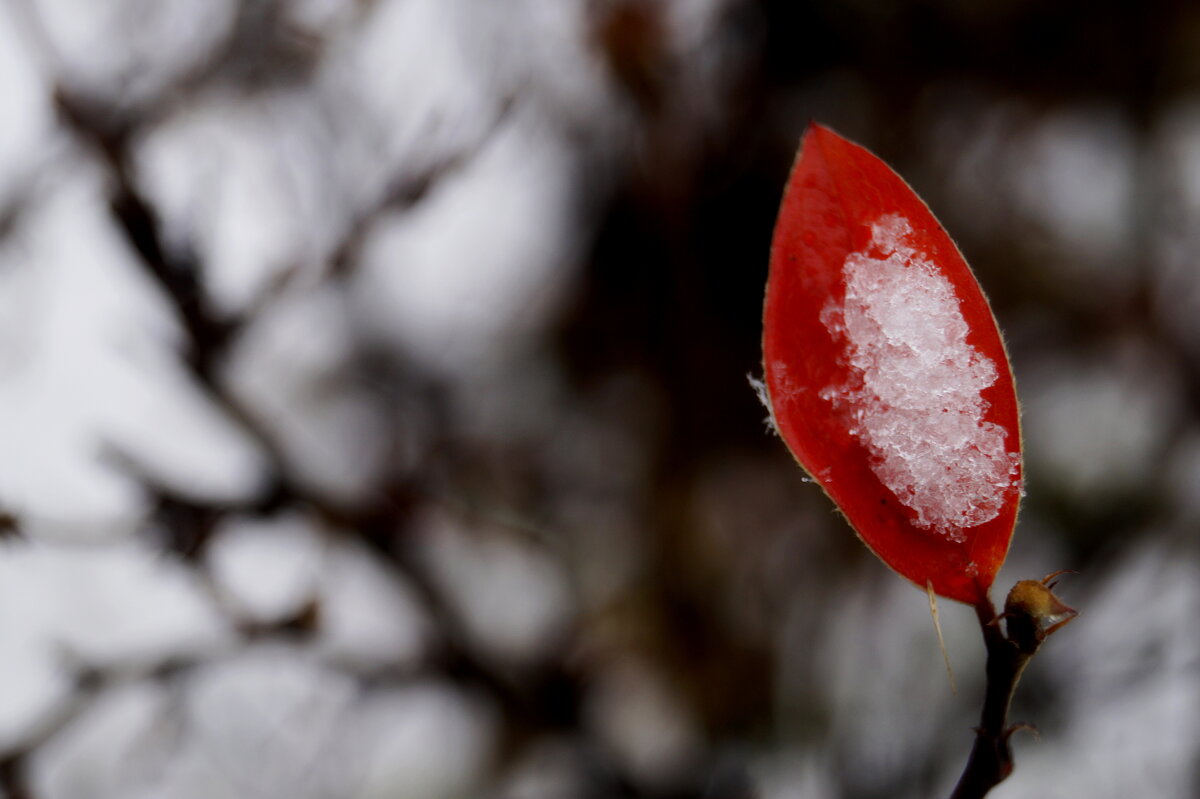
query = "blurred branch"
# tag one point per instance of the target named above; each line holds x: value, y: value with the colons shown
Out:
x: 207, y: 332
x: 9, y: 526
x: 547, y: 698
x: 631, y: 38
x: 208, y: 336
x: 408, y: 189
x: 262, y: 48
x: 12, y: 208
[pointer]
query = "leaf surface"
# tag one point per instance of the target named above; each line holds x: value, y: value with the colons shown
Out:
x: 886, y: 373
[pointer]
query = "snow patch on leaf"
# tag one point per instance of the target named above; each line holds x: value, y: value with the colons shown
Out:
x: 914, y: 396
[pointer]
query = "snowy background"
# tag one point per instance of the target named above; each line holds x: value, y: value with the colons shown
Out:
x: 374, y: 418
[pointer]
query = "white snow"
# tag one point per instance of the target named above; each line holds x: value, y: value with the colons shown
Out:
x: 88, y: 367
x: 371, y: 617
x: 132, y: 48
x: 266, y: 569
x: 426, y: 738
x: 513, y: 600
x: 914, y: 398
x: 120, y: 606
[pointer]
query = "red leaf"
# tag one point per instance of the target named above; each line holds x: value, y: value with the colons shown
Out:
x: 886, y: 373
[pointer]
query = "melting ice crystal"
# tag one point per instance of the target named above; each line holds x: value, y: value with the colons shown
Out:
x: 914, y: 396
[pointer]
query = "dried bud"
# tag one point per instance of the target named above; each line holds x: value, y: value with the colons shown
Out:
x: 1033, y: 612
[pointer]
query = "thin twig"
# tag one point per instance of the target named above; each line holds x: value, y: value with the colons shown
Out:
x: 991, y: 757
x: 1032, y: 613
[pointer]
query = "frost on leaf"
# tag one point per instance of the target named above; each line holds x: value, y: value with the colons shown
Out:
x: 914, y: 397
x: 760, y: 391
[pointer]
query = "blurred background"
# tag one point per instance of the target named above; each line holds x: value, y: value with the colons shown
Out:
x: 374, y: 417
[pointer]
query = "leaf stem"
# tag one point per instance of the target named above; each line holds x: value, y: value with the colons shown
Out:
x: 991, y: 757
